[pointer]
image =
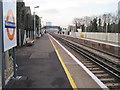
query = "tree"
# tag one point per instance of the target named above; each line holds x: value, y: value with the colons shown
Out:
x: 28, y: 24
x: 94, y: 25
x: 76, y: 21
x: 104, y: 27
x: 20, y: 20
x: 37, y: 21
x: 83, y: 28
x: 119, y: 26
x: 20, y: 15
x: 108, y: 27
x: 91, y: 28
x: 99, y: 22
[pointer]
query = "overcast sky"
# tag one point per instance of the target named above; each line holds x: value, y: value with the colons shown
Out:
x: 62, y: 12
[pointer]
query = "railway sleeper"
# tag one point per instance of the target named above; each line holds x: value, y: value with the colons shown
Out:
x: 96, y: 72
x: 94, y: 68
x: 108, y: 80
x: 91, y: 66
x: 115, y: 86
x: 85, y: 61
x: 102, y: 75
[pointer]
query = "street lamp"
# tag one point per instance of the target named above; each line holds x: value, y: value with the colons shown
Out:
x: 34, y: 22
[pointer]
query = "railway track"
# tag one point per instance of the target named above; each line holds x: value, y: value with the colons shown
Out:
x: 106, y: 70
x: 74, y: 39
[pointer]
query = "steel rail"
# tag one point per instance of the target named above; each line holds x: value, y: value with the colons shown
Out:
x: 93, y: 57
x: 100, y: 50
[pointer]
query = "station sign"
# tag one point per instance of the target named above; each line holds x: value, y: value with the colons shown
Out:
x: 9, y: 24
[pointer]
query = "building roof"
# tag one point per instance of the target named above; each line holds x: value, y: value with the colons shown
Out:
x: 28, y: 10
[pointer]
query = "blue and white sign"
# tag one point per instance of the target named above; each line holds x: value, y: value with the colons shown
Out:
x: 9, y: 24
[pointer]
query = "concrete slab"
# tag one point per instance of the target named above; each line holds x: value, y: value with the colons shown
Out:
x: 39, y: 55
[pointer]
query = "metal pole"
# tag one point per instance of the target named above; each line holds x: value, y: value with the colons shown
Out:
x: 3, y: 69
x: 34, y: 22
x: 19, y: 37
x: 14, y: 62
x: 1, y: 45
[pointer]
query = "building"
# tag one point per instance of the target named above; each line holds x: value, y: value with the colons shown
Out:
x: 53, y: 28
x: 71, y: 28
x: 119, y: 9
x: 48, y: 23
x: 27, y: 10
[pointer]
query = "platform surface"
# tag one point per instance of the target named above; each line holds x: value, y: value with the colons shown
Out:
x: 41, y: 65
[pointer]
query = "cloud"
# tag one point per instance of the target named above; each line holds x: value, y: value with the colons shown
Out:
x: 50, y: 11
x: 63, y: 11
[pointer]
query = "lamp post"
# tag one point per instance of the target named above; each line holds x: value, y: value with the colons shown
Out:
x: 34, y: 22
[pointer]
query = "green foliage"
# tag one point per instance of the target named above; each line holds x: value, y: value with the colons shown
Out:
x: 99, y: 22
x: 94, y: 25
x: 104, y: 27
x: 83, y: 28
x: 29, y: 22
x: 20, y: 15
x: 108, y: 28
x: 105, y: 23
x: 37, y: 20
x: 10, y: 52
x: 25, y: 21
x: 119, y: 27
x: 99, y: 25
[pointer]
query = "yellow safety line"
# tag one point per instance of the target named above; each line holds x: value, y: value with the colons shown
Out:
x: 74, y: 86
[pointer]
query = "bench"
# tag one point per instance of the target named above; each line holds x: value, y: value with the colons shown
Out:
x: 29, y: 42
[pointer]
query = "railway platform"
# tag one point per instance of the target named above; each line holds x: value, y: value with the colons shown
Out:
x: 40, y: 64
x: 48, y: 64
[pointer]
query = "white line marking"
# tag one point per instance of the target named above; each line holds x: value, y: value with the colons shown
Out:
x: 87, y: 70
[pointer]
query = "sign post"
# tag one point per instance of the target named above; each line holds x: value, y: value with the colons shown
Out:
x: 0, y: 45
x: 9, y: 24
x: 2, y: 79
x: 8, y: 35
x: 8, y: 31
x: 9, y: 28
x: 14, y: 63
